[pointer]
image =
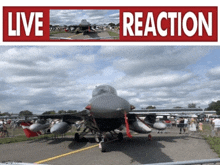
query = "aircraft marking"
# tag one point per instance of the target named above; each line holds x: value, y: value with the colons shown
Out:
x: 66, y: 154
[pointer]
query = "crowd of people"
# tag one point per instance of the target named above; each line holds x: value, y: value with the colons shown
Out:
x: 191, y: 125
x: 194, y: 124
x: 186, y: 125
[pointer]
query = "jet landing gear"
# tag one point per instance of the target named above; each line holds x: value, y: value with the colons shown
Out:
x: 120, y: 137
x: 102, y: 144
x: 98, y: 137
x: 150, y: 137
x: 77, y: 137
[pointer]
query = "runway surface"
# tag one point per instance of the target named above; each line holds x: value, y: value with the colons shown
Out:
x: 165, y: 147
x: 92, y: 35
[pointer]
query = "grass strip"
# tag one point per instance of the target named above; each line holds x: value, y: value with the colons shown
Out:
x: 214, y: 142
x: 22, y: 138
x: 113, y: 34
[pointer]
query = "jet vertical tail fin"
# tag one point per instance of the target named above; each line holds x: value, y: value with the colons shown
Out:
x: 29, y: 133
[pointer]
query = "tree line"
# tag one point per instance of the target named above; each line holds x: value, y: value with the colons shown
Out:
x: 212, y: 106
x: 29, y: 113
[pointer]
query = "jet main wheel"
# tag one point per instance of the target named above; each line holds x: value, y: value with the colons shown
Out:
x: 76, y: 137
x: 103, y: 146
x: 120, y: 136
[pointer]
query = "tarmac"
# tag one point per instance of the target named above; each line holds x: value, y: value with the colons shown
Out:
x: 164, y: 147
x: 99, y: 34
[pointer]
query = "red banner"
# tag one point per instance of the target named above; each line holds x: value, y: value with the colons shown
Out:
x: 26, y: 24
x: 144, y: 24
x: 169, y: 24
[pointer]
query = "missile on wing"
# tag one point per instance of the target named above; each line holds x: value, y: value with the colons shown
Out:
x: 60, y: 128
x: 38, y: 127
x: 159, y: 126
x: 139, y: 127
x: 151, y: 121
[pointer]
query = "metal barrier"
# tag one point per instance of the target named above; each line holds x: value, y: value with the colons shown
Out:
x: 204, y: 161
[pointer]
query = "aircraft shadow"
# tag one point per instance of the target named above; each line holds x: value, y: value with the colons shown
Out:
x: 60, y: 140
x: 142, y: 150
x: 78, y: 145
x: 73, y: 145
x: 83, y: 141
x: 93, y: 35
x: 52, y: 140
x: 139, y: 149
x: 43, y: 140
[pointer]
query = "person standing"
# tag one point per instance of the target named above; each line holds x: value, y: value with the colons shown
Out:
x: 185, y: 124
x: 181, y: 124
x: 200, y: 126
x: 216, y: 125
x: 5, y: 131
x: 192, y: 125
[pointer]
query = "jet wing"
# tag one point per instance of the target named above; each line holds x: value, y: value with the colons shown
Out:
x: 165, y: 112
x: 68, y: 117
x: 9, y: 117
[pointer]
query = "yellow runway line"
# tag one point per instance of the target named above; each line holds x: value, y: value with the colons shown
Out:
x: 66, y: 154
x: 74, y: 35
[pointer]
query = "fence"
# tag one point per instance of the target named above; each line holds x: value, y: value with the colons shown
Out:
x: 204, y: 161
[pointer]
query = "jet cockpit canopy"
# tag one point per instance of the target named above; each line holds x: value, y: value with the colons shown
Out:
x: 84, y: 23
x: 103, y: 89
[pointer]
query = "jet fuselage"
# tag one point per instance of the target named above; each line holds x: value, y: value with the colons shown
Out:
x: 108, y: 108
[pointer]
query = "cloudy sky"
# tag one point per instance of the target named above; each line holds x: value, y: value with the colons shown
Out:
x: 39, y: 78
x: 74, y: 17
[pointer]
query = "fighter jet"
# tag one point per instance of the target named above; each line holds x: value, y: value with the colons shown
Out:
x: 84, y: 27
x: 107, y: 112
